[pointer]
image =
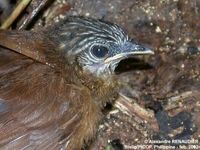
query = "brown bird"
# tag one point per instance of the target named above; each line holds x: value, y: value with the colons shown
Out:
x: 55, y: 82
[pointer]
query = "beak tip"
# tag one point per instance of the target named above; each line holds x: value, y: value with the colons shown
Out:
x: 150, y: 52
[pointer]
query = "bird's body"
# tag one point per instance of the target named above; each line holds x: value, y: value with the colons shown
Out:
x: 52, y: 97
x: 57, y: 105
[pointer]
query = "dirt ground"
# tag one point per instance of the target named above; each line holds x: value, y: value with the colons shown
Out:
x: 169, y: 88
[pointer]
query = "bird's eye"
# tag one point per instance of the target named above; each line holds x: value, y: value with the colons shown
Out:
x: 99, y: 51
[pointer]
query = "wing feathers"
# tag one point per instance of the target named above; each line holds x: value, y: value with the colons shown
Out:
x: 35, y: 105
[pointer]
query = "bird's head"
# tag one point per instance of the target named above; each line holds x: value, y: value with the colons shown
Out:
x: 96, y: 46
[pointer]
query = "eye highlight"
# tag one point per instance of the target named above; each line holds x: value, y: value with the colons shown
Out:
x: 99, y: 51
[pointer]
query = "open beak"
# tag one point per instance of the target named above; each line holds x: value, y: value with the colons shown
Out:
x: 127, y: 51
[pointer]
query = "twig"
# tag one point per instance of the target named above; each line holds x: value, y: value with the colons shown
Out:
x: 34, y: 13
x: 123, y: 103
x: 174, y: 102
x: 20, y: 7
x: 181, y: 96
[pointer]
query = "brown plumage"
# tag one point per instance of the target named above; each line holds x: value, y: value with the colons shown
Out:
x: 55, y: 82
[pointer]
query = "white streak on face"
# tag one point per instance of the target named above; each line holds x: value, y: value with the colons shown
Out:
x: 100, y: 70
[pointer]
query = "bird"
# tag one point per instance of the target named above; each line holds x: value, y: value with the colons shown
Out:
x: 55, y: 82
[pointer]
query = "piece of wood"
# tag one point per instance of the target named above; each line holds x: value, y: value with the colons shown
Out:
x: 20, y: 7
x: 125, y: 104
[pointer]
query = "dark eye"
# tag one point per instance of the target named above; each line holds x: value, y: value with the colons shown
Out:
x: 99, y: 51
